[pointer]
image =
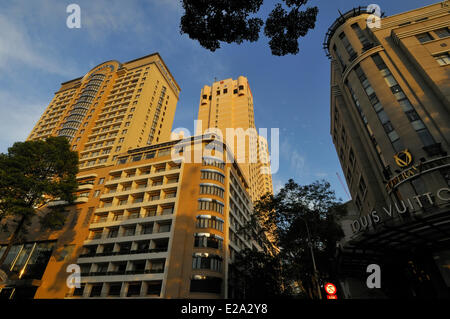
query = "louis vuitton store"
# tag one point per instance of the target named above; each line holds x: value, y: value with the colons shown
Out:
x: 409, y: 237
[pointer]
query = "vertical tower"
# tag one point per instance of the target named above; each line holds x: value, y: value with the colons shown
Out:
x: 227, y: 105
x: 390, y: 103
x: 113, y: 108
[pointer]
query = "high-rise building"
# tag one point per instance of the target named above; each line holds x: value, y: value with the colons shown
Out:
x: 154, y: 217
x: 113, y: 108
x: 227, y: 105
x: 390, y: 124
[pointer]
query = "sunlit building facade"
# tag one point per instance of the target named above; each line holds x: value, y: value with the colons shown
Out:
x: 390, y: 124
x: 227, y: 105
x: 153, y: 217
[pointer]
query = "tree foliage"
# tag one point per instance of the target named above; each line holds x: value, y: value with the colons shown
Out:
x: 213, y: 21
x: 288, y: 216
x: 31, y: 174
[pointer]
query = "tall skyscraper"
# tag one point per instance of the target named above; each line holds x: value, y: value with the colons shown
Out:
x: 390, y: 123
x: 147, y: 222
x: 113, y: 108
x: 228, y: 104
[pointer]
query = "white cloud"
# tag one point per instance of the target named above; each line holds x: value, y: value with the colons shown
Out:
x: 17, y: 48
x: 18, y: 118
x: 296, y: 160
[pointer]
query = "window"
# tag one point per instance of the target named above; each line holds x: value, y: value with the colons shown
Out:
x: 362, y: 186
x: 443, y: 58
x: 154, y: 288
x: 79, y: 291
x: 442, y: 33
x: 114, y: 289
x: 213, y: 162
x: 208, y: 221
x: 211, y: 189
x: 424, y: 37
x: 210, y: 262
x: 147, y: 229
x: 210, y: 204
x: 348, y: 47
x: 129, y: 231
x: 341, y: 61
x: 361, y: 36
x: 206, y: 240
x: 113, y: 232
x: 96, y: 290
x: 206, y: 284
x: 213, y: 175
x: 168, y: 210
x: 134, y: 289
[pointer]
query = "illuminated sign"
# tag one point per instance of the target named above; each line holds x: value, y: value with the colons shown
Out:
x: 331, y: 291
x: 403, y: 158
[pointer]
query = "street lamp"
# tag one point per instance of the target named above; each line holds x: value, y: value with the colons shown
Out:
x: 316, y: 273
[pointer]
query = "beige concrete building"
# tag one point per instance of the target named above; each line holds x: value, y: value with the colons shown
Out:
x: 390, y: 123
x: 113, y: 108
x: 153, y: 218
x: 228, y: 104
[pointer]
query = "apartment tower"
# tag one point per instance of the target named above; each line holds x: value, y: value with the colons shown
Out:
x: 113, y: 108
x: 228, y: 104
x: 150, y: 219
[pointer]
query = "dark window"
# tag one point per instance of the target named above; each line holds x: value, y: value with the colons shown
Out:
x: 96, y: 290
x: 207, y: 284
x: 424, y: 37
x: 134, y: 289
x: 361, y: 36
x: 225, y: 91
x: 79, y: 291
x: 150, y: 155
x: 442, y: 33
x: 235, y: 91
x: 412, y: 115
x: 114, y: 289
x: 154, y: 288
x: 241, y: 87
x: 137, y: 158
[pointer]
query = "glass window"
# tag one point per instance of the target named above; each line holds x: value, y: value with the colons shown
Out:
x: 442, y: 33
x: 418, y: 125
x: 383, y: 117
x: 393, y: 136
x: 426, y: 137
x: 443, y: 59
x: 424, y: 37
x: 406, y: 105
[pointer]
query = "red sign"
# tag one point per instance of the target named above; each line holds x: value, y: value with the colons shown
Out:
x: 331, y: 297
x: 330, y: 289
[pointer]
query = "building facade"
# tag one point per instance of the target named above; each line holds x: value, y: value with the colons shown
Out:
x: 228, y: 104
x: 154, y: 217
x: 390, y: 124
x: 113, y: 108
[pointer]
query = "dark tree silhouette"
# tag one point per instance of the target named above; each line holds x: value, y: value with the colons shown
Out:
x: 33, y: 173
x: 298, y: 219
x: 213, y: 21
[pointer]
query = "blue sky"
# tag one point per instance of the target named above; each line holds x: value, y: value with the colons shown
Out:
x: 38, y: 52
